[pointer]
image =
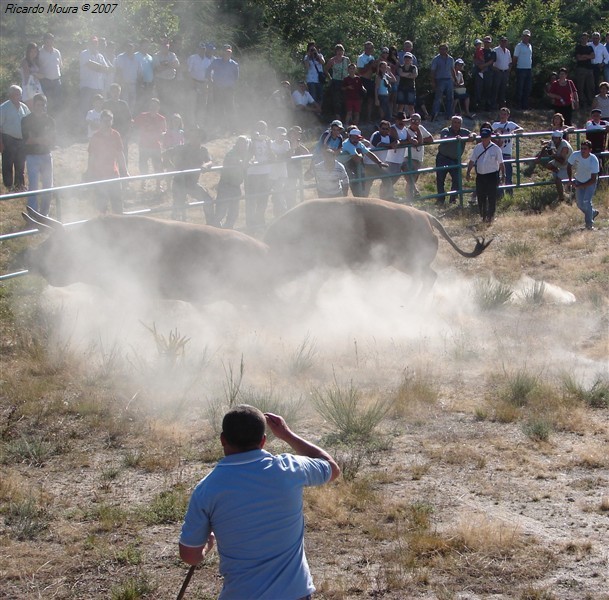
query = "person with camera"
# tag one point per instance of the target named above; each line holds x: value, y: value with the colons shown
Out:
x: 315, y: 75
x: 558, y: 150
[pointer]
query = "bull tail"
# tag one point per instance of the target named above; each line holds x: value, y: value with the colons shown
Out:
x: 481, y: 244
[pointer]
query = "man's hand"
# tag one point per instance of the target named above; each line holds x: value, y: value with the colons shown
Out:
x: 211, y: 540
x: 277, y: 425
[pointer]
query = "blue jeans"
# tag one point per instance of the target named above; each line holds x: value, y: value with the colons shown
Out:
x: 584, y: 202
x: 444, y: 87
x: 524, y: 81
x: 39, y: 169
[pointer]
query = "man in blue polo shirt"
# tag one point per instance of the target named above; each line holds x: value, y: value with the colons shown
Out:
x: 251, y: 505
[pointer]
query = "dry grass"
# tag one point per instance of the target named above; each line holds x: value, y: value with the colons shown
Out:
x: 487, y: 445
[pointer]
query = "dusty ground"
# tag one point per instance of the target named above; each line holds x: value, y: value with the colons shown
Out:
x: 104, y: 437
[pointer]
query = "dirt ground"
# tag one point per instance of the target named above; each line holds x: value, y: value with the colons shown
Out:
x: 458, y: 494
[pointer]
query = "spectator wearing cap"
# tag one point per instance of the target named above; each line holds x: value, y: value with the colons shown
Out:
x: 93, y: 68
x: 337, y: 68
x: 461, y: 95
x: 197, y: 65
x: 223, y: 75
x: 165, y: 64
x: 127, y: 67
x: 407, y: 92
x: 353, y: 151
x: 442, y: 81
x: 501, y: 70
x: 600, y: 60
x: 407, y: 47
x: 487, y: 160
x: 523, y: 61
x: 331, y: 138
x: 584, y: 75
x: 51, y: 64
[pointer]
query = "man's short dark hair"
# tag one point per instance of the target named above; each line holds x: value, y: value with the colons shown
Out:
x: 243, y: 427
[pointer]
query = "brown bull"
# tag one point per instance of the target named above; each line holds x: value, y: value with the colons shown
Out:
x: 164, y: 259
x: 355, y: 232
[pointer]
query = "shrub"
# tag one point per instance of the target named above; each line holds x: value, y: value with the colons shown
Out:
x: 538, y: 429
x: 167, y: 507
x: 519, y: 387
x: 490, y: 294
x: 345, y: 409
x: 133, y: 588
x: 596, y: 396
x: 304, y: 357
x: 25, y: 519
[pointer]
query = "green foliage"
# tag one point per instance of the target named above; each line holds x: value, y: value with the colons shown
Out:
x: 538, y: 429
x: 167, y: 507
x: 25, y: 519
x: 519, y: 387
x: 595, y: 396
x: 133, y: 588
x: 490, y: 294
x: 345, y: 408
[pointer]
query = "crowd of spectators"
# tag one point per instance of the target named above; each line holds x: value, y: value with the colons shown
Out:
x: 135, y: 95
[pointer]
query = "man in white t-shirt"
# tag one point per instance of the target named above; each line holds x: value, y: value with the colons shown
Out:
x: 503, y: 127
x: 501, y: 70
x: 523, y: 61
x: 197, y: 65
x: 583, y: 169
x: 93, y: 69
x: 51, y: 64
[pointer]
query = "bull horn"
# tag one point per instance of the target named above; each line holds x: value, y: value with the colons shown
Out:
x: 43, y: 219
x: 35, y: 224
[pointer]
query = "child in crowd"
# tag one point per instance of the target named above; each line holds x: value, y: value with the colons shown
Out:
x: 352, y: 93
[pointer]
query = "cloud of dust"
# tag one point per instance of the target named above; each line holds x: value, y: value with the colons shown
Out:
x: 366, y: 327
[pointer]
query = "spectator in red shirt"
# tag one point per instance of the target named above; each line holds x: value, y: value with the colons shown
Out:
x: 564, y: 96
x: 151, y: 126
x: 107, y: 161
x: 352, y: 94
